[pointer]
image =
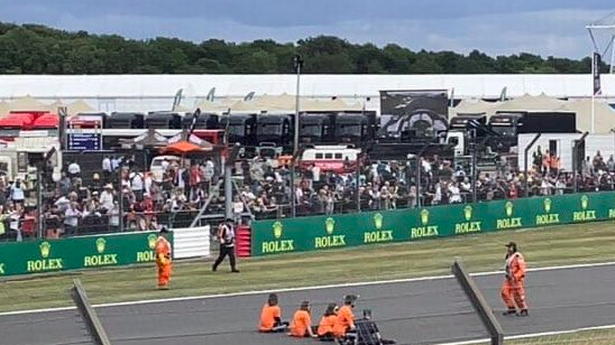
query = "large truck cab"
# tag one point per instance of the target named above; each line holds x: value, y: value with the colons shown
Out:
x: 357, y: 128
x: 317, y: 128
x: 275, y: 128
x: 460, y: 131
x: 163, y: 120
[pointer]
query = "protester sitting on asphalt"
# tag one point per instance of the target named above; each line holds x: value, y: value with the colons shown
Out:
x: 344, y: 326
x: 271, y: 317
x: 301, y: 326
x: 325, y: 327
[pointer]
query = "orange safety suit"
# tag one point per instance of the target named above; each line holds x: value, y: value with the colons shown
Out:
x: 163, y: 262
x: 268, y: 317
x: 513, y: 288
x: 344, y: 321
x: 300, y: 324
x: 326, y: 325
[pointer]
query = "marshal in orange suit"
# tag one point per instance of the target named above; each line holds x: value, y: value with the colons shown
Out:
x: 163, y: 259
x: 513, y: 288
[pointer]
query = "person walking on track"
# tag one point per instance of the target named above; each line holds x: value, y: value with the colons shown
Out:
x: 513, y: 289
x: 226, y: 236
x: 163, y: 259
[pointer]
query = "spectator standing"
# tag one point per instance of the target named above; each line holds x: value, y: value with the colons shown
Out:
x: 106, y: 169
x: 137, y: 185
x: 74, y: 170
x: 17, y: 192
x: 226, y: 236
x: 71, y: 218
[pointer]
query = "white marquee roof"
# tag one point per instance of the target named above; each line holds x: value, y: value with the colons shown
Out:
x: 348, y: 86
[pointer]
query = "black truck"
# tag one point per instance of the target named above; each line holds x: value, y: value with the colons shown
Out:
x: 317, y: 128
x: 275, y: 128
x: 508, y: 125
x: 163, y: 120
x: 119, y: 120
x: 355, y: 127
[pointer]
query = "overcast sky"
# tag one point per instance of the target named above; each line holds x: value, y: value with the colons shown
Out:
x: 546, y: 27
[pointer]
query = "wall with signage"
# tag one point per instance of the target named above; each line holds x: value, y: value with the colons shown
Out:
x: 76, y: 253
x: 339, y: 231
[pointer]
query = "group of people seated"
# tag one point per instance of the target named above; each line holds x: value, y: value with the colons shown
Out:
x: 336, y: 324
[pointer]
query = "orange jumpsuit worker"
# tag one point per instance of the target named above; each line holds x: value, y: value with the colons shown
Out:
x: 325, y: 327
x: 301, y: 326
x: 513, y: 289
x: 271, y: 315
x: 163, y: 259
x: 344, y: 324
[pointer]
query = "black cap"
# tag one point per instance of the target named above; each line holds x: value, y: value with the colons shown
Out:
x: 305, y: 305
x: 164, y: 230
x: 511, y: 244
x: 350, y: 299
x: 229, y: 220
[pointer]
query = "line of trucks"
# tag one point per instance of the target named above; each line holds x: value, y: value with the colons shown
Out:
x: 271, y: 134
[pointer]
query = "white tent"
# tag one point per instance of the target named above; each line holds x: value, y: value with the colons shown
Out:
x: 604, y: 115
x: 475, y: 107
x: 531, y: 103
x: 27, y: 103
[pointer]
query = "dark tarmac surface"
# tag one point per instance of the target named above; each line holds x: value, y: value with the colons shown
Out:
x: 419, y: 312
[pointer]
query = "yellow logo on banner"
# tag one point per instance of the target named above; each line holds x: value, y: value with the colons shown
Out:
x: 378, y: 220
x: 509, y: 222
x: 331, y: 240
x: 585, y: 214
x: 424, y: 230
x: 379, y: 235
x: 46, y: 263
x: 1, y: 269
x: 151, y: 241
x: 468, y: 226
x: 330, y: 225
x: 45, y: 248
x: 100, y: 245
x: 148, y: 255
x: 277, y: 229
x: 547, y: 218
x: 100, y: 259
x: 278, y: 246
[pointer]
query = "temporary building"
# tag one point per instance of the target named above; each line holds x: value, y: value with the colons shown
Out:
x: 17, y: 120
x: 46, y: 121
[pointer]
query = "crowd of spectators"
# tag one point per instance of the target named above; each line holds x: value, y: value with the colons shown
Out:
x: 122, y: 196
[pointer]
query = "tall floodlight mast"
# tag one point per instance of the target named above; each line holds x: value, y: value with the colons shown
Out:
x: 605, y: 26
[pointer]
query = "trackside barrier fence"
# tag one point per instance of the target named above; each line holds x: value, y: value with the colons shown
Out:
x: 479, y: 302
x: 77, y: 253
x: 348, y: 230
x: 89, y: 314
x: 191, y: 242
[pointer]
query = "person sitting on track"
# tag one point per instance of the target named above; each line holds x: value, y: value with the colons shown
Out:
x: 344, y: 327
x: 271, y: 317
x: 325, y: 327
x: 301, y: 326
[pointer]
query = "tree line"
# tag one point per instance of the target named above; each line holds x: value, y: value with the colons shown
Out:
x: 37, y: 49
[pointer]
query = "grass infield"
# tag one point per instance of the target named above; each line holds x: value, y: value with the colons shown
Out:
x: 548, y: 246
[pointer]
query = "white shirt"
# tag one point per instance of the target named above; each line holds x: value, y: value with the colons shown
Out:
x: 74, y: 168
x: 17, y: 193
x: 106, y: 165
x: 455, y: 195
x: 148, y: 184
x: 136, y: 181
x: 106, y: 199
x: 71, y: 217
x: 316, y: 174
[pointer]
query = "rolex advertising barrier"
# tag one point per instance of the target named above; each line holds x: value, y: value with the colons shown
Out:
x: 348, y: 230
x: 44, y: 256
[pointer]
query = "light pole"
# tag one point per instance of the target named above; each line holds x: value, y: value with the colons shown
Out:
x: 297, y: 63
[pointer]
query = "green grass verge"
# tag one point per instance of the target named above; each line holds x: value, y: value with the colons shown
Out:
x: 570, y: 244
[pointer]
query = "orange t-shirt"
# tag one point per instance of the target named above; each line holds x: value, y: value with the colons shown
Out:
x: 268, y: 316
x: 326, y: 324
x: 345, y: 320
x: 300, y: 324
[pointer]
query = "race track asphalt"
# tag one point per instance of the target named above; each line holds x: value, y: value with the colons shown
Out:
x: 418, y: 312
